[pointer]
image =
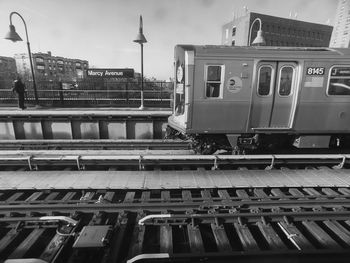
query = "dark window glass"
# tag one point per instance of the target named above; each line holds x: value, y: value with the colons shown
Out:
x: 213, y: 90
x: 264, y: 84
x: 214, y: 73
x: 233, y: 31
x: 339, y: 87
x: 213, y: 82
x: 286, y: 78
x: 339, y: 83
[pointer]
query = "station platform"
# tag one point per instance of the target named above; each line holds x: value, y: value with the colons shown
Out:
x: 82, y: 123
x: 198, y: 179
x: 98, y: 111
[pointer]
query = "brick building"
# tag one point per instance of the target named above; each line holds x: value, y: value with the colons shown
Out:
x: 48, y: 67
x: 277, y: 31
x: 8, y: 72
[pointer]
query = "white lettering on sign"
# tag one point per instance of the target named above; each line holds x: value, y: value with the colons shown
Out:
x: 113, y: 73
x: 110, y: 73
x: 95, y: 73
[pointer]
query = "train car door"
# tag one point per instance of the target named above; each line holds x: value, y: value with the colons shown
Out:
x: 274, y: 96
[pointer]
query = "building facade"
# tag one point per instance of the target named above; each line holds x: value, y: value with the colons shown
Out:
x: 8, y: 72
x: 48, y: 67
x: 277, y: 31
x: 341, y: 33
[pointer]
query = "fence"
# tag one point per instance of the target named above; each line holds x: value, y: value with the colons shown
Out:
x: 92, y: 93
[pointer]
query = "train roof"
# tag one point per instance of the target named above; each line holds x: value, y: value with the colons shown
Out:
x: 260, y: 51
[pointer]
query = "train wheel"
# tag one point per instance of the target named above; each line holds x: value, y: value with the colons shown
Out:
x: 208, y: 149
x: 204, y: 148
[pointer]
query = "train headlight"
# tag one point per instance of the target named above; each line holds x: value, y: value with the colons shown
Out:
x: 179, y: 73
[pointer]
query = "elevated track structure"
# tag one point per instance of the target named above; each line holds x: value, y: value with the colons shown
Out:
x: 193, y: 225
x: 105, y: 186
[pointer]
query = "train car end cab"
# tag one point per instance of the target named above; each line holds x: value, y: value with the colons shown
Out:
x: 183, y: 84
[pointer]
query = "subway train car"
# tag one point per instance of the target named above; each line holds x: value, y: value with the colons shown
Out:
x: 254, y: 98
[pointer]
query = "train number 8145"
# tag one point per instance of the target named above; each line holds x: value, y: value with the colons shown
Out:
x: 315, y: 71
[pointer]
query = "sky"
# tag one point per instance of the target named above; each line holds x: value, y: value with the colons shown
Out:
x: 102, y: 31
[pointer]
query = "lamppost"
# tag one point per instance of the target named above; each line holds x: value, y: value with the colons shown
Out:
x: 13, y: 36
x: 259, y: 40
x: 140, y: 38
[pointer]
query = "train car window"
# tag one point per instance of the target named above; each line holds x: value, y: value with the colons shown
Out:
x: 339, y: 81
x: 233, y: 31
x: 213, y: 83
x: 285, y: 83
x: 264, y: 82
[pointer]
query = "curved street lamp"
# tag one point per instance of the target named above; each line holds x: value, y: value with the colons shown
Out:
x: 13, y: 36
x: 140, y: 38
x: 259, y: 40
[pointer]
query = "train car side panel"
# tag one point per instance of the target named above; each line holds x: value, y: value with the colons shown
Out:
x: 222, y: 90
x: 325, y: 98
x: 274, y: 95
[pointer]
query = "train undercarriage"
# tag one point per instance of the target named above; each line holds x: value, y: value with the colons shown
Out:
x: 263, y: 143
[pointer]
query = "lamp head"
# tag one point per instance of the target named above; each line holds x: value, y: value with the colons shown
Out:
x: 12, y: 34
x: 259, y: 40
x: 140, y: 38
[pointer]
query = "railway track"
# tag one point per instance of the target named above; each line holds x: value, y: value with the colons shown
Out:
x: 159, y: 159
x: 101, y: 144
x: 192, y: 225
x: 155, y: 213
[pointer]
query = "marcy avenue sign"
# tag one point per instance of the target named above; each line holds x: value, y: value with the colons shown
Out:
x: 110, y: 73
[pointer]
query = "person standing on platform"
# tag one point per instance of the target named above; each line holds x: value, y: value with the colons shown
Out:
x: 20, y: 89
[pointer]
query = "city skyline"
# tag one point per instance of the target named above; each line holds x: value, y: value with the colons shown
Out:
x: 102, y: 32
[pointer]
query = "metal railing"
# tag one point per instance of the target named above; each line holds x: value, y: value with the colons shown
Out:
x: 90, y: 93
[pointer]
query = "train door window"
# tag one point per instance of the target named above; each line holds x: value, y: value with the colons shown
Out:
x: 214, y: 81
x: 233, y: 31
x: 339, y: 81
x: 285, y: 81
x: 264, y: 81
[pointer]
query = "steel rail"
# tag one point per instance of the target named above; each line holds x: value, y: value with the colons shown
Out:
x: 319, y: 208
x: 140, y: 159
x: 142, y: 223
x: 93, y: 144
x: 311, y: 256
x: 214, y: 202
x: 272, y: 254
x: 185, y: 218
